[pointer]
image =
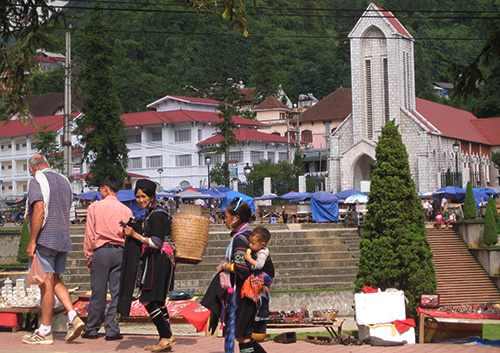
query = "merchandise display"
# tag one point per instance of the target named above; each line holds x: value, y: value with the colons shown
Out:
x: 19, y: 295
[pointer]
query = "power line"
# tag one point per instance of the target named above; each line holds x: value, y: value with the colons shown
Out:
x: 485, y: 14
x: 267, y: 35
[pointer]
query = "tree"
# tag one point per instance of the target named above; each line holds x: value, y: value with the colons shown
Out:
x: 24, y: 27
x: 490, y: 235
x: 394, y: 250
x: 22, y: 255
x: 470, y: 210
x: 449, y: 179
x: 103, y: 145
x: 225, y: 128
x: 491, y: 204
x: 46, y: 144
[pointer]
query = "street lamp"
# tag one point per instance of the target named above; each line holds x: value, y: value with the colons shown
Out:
x: 160, y: 170
x: 247, y: 169
x: 456, y: 147
x: 208, y: 159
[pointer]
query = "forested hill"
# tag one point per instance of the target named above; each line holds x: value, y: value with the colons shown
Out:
x: 163, y: 48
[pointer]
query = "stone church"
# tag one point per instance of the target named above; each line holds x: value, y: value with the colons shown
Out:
x: 383, y: 89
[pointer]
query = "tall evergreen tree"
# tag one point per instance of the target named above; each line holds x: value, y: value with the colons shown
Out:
x: 449, y: 179
x: 490, y: 235
x: 100, y: 127
x: 395, y: 252
x: 470, y: 210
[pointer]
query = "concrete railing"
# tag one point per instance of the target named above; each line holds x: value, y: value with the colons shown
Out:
x: 9, y: 244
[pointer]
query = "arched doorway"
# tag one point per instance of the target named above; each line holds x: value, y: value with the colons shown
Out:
x: 362, y: 170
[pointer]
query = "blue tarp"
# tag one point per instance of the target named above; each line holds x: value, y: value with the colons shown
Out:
x: 232, y: 195
x: 296, y: 196
x: 488, y: 191
x: 450, y: 192
x: 323, y: 212
x: 324, y: 196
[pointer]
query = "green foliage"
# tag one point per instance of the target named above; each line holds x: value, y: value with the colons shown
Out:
x: 103, y: 145
x: 219, y: 175
x: 490, y: 235
x: 22, y: 255
x: 449, y: 178
x: 24, y: 27
x: 394, y: 250
x: 283, y: 175
x: 46, y: 144
x: 470, y: 210
x: 495, y: 158
x: 493, y: 206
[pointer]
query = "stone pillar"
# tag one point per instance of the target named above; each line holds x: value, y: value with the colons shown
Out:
x: 302, y: 183
x: 267, y: 185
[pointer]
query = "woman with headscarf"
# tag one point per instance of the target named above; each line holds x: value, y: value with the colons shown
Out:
x: 158, y: 264
x: 237, y: 216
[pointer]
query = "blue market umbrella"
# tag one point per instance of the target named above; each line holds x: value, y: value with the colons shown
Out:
x: 267, y: 197
x: 346, y: 193
x: 231, y: 324
x: 324, y: 196
x: 450, y: 192
x: 296, y: 196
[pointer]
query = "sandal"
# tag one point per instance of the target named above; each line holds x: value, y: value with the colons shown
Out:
x: 161, y: 347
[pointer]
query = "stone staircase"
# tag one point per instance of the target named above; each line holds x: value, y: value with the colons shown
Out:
x: 308, y: 256
x: 461, y: 278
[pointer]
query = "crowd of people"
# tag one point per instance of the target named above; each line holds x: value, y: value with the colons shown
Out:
x: 127, y: 253
x: 438, y: 212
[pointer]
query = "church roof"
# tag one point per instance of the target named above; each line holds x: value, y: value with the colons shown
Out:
x: 271, y: 103
x: 249, y: 135
x: 490, y: 128
x: 337, y: 105
x: 452, y: 122
x: 393, y: 21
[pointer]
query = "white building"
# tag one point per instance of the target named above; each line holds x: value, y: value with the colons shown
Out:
x: 167, y: 139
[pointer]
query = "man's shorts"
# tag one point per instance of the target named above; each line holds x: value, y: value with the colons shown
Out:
x: 52, y: 260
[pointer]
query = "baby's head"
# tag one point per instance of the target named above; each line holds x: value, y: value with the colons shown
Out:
x: 259, y: 238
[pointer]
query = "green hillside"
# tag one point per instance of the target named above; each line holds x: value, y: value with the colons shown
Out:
x: 164, y: 48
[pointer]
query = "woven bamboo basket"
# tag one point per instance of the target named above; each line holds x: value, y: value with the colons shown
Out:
x: 190, y: 235
x: 329, y: 314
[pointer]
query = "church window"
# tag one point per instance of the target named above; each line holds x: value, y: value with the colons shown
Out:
x: 369, y: 107
x: 386, y: 90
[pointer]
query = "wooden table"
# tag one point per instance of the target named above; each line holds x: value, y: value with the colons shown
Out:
x: 330, y: 326
x: 441, y: 321
x: 30, y: 323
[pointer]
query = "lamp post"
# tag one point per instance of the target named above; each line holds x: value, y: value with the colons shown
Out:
x: 1, y: 182
x: 456, y: 147
x: 208, y: 159
x: 247, y: 170
x: 160, y: 170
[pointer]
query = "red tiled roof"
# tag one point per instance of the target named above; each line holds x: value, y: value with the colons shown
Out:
x: 132, y: 175
x: 451, y: 122
x: 248, y: 135
x: 186, y: 99
x: 490, y: 128
x: 393, y: 21
x: 178, y: 116
x: 271, y: 103
x: 337, y: 105
x: 247, y: 93
x: 16, y: 127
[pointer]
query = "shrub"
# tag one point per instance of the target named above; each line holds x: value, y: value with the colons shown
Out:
x: 22, y: 255
x: 493, y: 206
x: 490, y: 235
x: 470, y: 210
x: 394, y: 250
x: 449, y: 179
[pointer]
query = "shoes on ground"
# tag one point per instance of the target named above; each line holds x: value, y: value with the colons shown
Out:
x: 75, y: 329
x: 114, y: 338
x: 160, y: 347
x: 89, y: 336
x: 37, y: 338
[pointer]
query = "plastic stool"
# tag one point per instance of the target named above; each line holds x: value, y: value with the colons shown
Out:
x: 273, y: 220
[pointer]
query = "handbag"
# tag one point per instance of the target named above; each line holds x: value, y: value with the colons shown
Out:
x: 36, y: 275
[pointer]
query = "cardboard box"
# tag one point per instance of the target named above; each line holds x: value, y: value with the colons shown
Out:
x: 377, y: 308
x: 386, y: 332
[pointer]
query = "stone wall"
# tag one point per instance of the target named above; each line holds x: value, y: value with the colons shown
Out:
x: 9, y: 243
x: 343, y: 301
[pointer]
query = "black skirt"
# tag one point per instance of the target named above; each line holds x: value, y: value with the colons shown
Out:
x: 158, y: 275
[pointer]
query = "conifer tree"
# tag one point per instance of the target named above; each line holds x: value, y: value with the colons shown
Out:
x: 449, y: 179
x: 395, y: 252
x: 103, y: 145
x: 496, y: 217
x: 490, y: 235
x: 22, y: 255
x: 470, y: 210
